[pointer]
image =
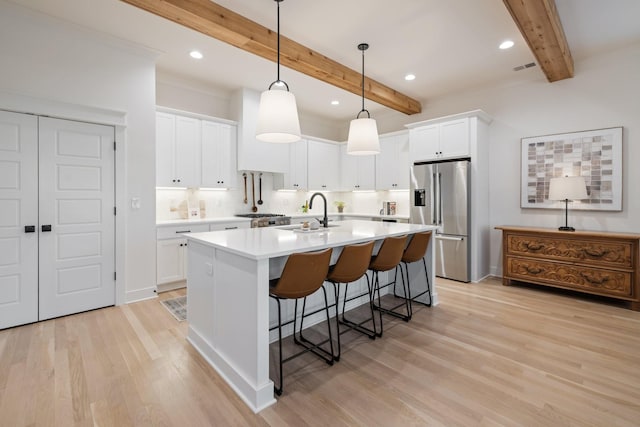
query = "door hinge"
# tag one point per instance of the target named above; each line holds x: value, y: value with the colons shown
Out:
x: 114, y: 146
x: 114, y: 210
x: 114, y: 275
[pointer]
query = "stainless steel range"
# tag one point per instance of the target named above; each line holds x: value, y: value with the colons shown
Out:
x: 266, y: 219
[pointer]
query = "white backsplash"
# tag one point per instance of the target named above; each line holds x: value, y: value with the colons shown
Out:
x: 230, y: 202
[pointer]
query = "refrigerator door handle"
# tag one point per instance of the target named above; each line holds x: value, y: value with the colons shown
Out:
x: 434, y: 207
x: 455, y: 239
x: 439, y: 198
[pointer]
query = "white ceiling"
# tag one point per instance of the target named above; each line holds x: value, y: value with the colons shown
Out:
x: 450, y: 45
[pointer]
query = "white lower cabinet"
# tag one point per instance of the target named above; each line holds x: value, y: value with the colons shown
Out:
x: 171, y: 250
x: 172, y: 260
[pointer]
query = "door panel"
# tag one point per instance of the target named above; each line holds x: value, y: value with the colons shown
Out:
x: 18, y: 208
x: 451, y: 257
x: 454, y: 197
x: 422, y: 195
x: 76, y: 199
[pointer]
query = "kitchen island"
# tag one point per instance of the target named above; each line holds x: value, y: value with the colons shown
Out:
x: 228, y: 292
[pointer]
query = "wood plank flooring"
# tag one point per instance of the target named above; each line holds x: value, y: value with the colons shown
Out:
x: 487, y: 355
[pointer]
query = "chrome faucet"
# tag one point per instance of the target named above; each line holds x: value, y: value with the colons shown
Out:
x: 325, y: 220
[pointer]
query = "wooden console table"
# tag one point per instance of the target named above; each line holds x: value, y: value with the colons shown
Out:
x: 598, y: 263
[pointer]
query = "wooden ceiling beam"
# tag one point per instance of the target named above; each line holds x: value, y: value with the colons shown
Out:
x: 225, y: 25
x: 540, y: 25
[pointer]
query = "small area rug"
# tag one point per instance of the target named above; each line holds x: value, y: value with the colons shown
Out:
x: 177, y: 307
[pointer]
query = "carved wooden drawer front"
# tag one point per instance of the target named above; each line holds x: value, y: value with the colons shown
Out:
x: 600, y: 263
x: 598, y: 252
x: 593, y: 280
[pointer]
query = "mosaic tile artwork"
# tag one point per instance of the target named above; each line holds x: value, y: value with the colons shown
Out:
x: 594, y: 155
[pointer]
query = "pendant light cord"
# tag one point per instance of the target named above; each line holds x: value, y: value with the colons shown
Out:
x: 278, y: 81
x: 278, y: 40
x: 363, y: 47
x: 363, y: 80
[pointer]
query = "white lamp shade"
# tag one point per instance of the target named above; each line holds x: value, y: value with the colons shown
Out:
x: 278, y: 117
x: 568, y: 187
x: 363, y: 137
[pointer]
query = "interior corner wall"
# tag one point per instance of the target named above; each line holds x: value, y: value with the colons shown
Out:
x: 44, y: 58
x: 603, y: 93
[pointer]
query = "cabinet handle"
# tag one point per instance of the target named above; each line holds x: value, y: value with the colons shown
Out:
x: 533, y: 246
x: 534, y: 270
x: 46, y: 228
x: 593, y: 279
x: 596, y: 253
x: 230, y: 228
x: 29, y: 228
x: 185, y: 231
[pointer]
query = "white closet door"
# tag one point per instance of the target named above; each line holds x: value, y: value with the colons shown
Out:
x: 77, y: 201
x: 18, y: 209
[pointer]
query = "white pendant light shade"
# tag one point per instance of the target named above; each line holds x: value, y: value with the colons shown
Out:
x: 278, y: 117
x: 363, y: 137
x: 363, y: 133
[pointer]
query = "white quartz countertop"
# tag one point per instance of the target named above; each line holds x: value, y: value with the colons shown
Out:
x: 271, y: 242
x: 221, y: 220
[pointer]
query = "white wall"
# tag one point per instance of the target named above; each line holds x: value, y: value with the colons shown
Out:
x: 59, y: 64
x: 605, y: 92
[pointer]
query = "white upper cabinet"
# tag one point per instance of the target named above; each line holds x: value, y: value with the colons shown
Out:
x: 177, y: 145
x: 445, y: 140
x: 218, y: 157
x: 392, y: 164
x: 296, y: 177
x: 323, y: 165
x: 191, y: 152
x: 357, y: 172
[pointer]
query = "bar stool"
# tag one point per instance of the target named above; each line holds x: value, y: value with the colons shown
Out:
x: 351, y: 266
x: 388, y: 258
x: 415, y: 251
x: 303, y: 274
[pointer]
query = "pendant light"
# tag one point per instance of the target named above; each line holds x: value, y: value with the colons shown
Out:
x: 278, y: 113
x: 363, y: 132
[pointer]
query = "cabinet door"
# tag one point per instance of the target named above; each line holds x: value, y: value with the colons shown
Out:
x: 299, y: 165
x: 187, y: 155
x: 348, y: 170
x: 165, y: 150
x: 323, y: 165
x: 366, y: 172
x: 357, y: 172
x: 454, y: 138
x: 392, y: 164
x: 217, y: 157
x: 171, y: 260
x: 424, y: 143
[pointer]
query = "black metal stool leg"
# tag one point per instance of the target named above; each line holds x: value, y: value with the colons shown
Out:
x: 278, y: 390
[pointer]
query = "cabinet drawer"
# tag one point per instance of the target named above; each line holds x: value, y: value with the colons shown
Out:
x: 593, y: 280
x: 174, y: 231
x: 617, y: 254
x: 229, y: 225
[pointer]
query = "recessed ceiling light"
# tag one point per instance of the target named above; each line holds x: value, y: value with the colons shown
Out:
x: 410, y: 77
x: 195, y: 54
x: 335, y: 102
x: 506, y: 44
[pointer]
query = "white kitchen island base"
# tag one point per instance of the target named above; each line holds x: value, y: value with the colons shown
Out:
x: 228, y: 293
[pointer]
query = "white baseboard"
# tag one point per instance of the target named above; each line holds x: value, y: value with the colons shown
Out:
x: 141, y: 294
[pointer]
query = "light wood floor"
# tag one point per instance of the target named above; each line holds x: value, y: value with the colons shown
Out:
x: 487, y: 355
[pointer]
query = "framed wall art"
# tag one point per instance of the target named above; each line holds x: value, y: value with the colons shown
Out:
x: 596, y: 155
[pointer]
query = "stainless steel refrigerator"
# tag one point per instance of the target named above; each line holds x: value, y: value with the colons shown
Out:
x: 440, y: 195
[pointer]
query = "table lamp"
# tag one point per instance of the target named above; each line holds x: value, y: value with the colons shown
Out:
x: 567, y: 188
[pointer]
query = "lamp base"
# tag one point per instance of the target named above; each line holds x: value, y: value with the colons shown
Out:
x: 565, y: 228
